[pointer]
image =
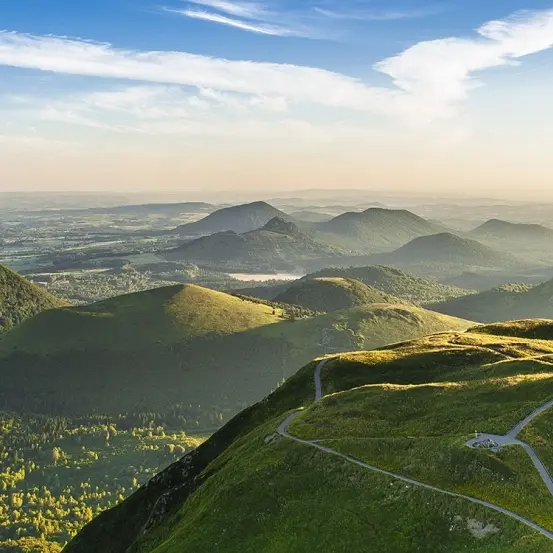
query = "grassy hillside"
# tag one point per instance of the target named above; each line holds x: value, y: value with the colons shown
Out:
x: 331, y: 294
x: 239, y: 219
x: 159, y: 317
x: 504, y: 303
x: 279, y: 245
x: 407, y: 409
x: 21, y: 299
x: 396, y: 282
x: 183, y: 350
x: 376, y: 229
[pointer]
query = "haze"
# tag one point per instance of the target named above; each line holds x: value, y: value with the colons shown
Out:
x: 236, y: 95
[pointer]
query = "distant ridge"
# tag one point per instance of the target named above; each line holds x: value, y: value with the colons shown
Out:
x: 162, y: 208
x: 21, y: 299
x: 278, y: 245
x: 378, y: 229
x: 447, y: 248
x: 239, y: 219
x: 532, y: 242
x: 502, y: 230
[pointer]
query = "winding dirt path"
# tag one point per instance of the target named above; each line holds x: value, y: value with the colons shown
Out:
x: 283, y: 431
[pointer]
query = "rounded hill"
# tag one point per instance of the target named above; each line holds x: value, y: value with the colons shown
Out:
x: 332, y: 294
x: 449, y: 248
x: 158, y: 317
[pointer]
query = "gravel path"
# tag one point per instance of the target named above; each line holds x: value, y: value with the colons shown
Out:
x: 283, y: 431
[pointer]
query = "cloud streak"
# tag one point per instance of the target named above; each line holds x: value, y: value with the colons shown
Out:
x: 259, y: 28
x: 376, y: 16
x: 253, y: 17
x: 250, y: 10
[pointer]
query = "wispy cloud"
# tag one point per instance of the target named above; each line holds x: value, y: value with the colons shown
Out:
x: 387, y: 15
x: 250, y: 10
x: 293, y: 82
x: 260, y: 28
x: 253, y: 17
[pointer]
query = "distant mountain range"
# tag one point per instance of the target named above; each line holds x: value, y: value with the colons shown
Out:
x: 21, y: 299
x: 278, y: 245
x: 169, y: 209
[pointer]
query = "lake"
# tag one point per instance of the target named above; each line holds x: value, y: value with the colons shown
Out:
x: 260, y: 277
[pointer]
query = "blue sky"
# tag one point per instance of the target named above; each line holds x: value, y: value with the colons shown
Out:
x: 270, y: 88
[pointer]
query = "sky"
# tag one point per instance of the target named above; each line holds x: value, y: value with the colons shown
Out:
x: 175, y: 95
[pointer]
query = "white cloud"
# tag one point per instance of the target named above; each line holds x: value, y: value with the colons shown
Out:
x: 375, y: 16
x: 441, y: 72
x: 295, y: 83
x: 260, y: 28
x: 249, y: 10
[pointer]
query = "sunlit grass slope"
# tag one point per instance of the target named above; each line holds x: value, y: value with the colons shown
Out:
x: 162, y: 316
x: 408, y: 408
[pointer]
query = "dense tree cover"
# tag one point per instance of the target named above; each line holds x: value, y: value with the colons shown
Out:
x: 56, y: 474
x: 20, y: 299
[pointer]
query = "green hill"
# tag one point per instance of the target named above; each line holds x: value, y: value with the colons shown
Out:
x: 183, y: 350
x: 239, y: 219
x: 396, y: 282
x: 331, y: 294
x: 376, y: 229
x: 446, y: 249
x: 380, y: 463
x: 279, y: 245
x: 531, y: 242
x: 503, y: 303
x: 504, y: 232
x: 160, y: 317
x: 21, y: 299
